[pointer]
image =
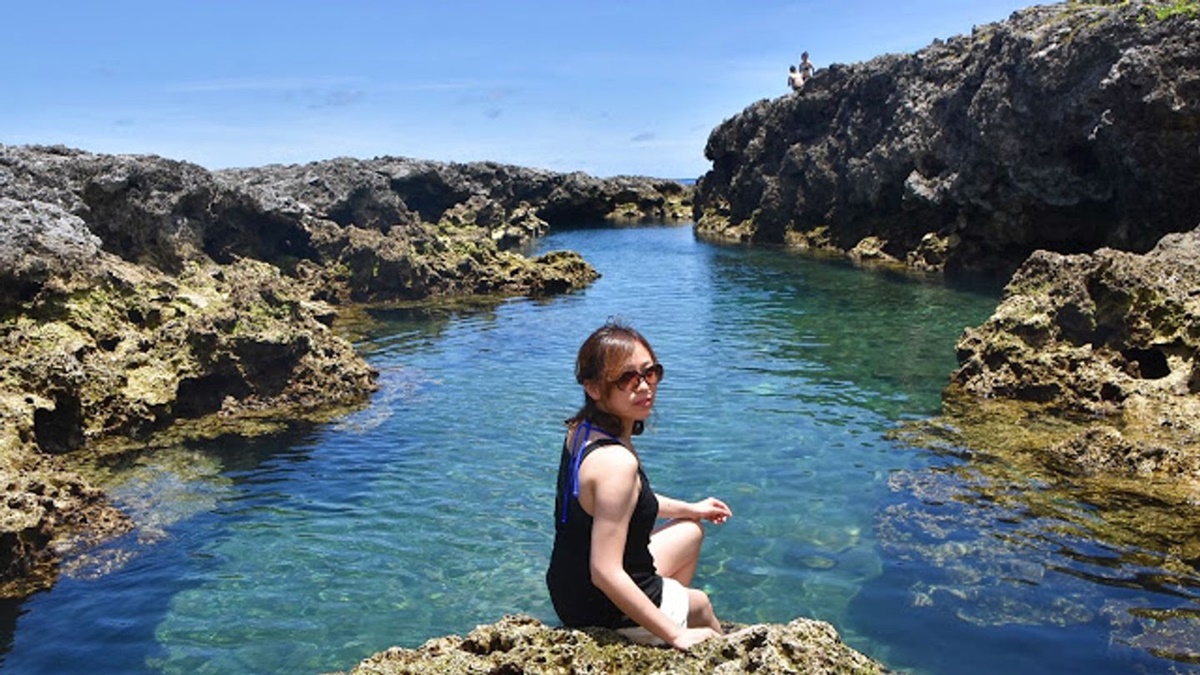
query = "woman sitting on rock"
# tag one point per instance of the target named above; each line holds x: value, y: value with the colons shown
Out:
x: 611, y: 566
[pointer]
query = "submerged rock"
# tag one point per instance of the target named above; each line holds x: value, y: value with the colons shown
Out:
x: 48, y: 511
x: 520, y: 644
x: 1067, y: 128
x: 1009, y: 543
x: 1078, y: 404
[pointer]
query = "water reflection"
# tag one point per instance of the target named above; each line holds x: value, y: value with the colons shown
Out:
x: 1006, y: 541
x: 428, y: 511
x: 10, y: 610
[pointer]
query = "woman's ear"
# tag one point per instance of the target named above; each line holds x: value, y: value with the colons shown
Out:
x: 592, y: 389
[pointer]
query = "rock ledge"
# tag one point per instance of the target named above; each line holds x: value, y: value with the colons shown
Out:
x: 520, y: 644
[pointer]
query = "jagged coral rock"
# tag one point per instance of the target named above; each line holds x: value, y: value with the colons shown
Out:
x: 140, y: 295
x: 1109, y: 339
x: 520, y: 644
x: 1068, y: 127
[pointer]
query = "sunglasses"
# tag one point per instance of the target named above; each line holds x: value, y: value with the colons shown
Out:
x: 632, y: 379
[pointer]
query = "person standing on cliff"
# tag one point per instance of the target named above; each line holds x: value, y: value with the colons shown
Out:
x: 806, y: 69
x: 612, y: 565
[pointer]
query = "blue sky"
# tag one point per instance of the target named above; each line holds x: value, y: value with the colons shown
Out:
x: 612, y: 87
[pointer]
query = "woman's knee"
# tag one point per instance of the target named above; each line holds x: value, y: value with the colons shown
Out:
x: 676, y: 549
x: 680, y: 535
x: 691, y: 531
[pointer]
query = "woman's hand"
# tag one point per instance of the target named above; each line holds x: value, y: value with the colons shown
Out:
x: 692, y: 636
x: 713, y: 510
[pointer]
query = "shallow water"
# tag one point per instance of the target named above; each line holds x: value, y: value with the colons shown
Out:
x: 430, y: 511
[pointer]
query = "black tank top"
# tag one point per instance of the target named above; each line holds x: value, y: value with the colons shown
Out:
x: 576, y: 600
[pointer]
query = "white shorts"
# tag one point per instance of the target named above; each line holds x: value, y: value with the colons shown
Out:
x: 674, y: 605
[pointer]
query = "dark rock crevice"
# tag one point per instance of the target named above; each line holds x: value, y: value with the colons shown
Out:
x: 59, y: 427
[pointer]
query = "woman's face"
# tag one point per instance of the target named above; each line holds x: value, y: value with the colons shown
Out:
x: 637, y: 399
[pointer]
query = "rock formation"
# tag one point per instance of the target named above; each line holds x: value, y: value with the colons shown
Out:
x: 1078, y: 405
x: 393, y: 227
x: 1067, y: 128
x: 519, y: 644
x: 1062, y: 145
x: 1078, y: 401
x: 140, y: 294
x: 1110, y: 340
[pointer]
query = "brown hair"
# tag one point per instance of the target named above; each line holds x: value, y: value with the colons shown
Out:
x: 599, y: 359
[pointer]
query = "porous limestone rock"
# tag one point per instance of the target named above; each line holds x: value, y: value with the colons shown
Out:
x: 1110, y: 340
x: 520, y: 644
x: 121, y: 350
x: 1078, y: 406
x: 141, y: 295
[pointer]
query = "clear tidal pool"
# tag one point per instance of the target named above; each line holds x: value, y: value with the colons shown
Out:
x: 430, y: 511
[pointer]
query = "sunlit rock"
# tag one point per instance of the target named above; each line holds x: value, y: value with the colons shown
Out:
x: 146, y: 298
x: 519, y: 644
x: 1067, y: 127
x: 1110, y: 340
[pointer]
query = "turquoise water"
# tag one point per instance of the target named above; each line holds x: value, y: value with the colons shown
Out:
x: 430, y: 511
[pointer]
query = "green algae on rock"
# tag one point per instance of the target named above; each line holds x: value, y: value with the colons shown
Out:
x: 1110, y: 340
x: 144, y: 298
x: 1085, y: 379
x: 521, y: 644
x: 124, y: 352
x: 48, y: 511
x: 1077, y: 405
x: 990, y: 529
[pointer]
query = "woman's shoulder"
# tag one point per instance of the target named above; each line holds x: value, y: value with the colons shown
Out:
x: 612, y: 455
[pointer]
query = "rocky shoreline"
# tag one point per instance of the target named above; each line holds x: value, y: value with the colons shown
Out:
x: 1068, y: 127
x: 145, y: 300
x: 1110, y: 339
x: 1057, y: 151
x: 148, y: 300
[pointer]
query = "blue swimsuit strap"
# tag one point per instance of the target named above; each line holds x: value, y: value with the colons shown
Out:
x: 577, y: 450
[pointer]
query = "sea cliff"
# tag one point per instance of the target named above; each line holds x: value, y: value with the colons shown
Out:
x: 1057, y: 151
x: 1067, y: 128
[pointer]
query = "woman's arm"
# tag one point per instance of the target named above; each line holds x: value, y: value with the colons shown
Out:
x: 710, y: 509
x: 610, y: 475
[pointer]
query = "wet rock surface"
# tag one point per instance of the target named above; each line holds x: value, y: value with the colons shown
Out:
x: 520, y: 644
x: 1077, y: 409
x: 1068, y: 127
x: 142, y: 297
x: 1110, y: 340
